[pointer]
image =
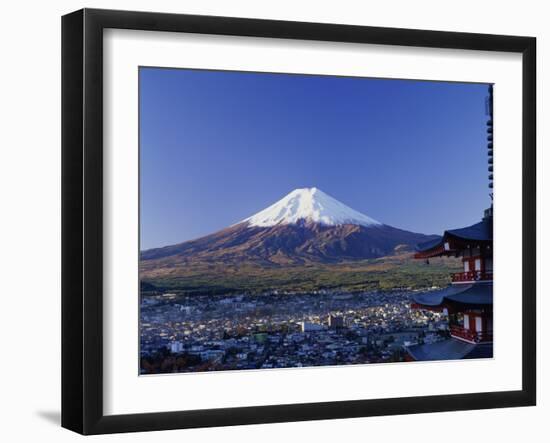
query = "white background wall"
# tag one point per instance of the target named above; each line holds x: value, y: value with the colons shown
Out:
x: 30, y: 216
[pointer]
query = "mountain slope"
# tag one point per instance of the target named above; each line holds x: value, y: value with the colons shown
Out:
x: 287, y: 244
x: 305, y: 226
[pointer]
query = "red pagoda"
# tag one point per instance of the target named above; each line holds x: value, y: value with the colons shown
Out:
x: 468, y: 300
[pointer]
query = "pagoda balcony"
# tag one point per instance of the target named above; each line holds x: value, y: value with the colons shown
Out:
x: 472, y: 276
x: 471, y: 336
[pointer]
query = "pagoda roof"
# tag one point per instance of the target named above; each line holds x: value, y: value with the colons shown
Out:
x: 450, y: 349
x: 467, y: 294
x: 430, y: 244
x: 481, y: 232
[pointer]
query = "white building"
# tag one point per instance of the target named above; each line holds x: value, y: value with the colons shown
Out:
x: 176, y: 347
x: 310, y: 327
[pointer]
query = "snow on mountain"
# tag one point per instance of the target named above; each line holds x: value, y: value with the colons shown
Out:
x: 311, y: 205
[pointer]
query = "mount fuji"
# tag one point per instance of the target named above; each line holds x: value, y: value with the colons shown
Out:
x: 305, y: 226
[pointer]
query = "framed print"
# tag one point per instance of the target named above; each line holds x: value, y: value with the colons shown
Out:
x: 269, y: 221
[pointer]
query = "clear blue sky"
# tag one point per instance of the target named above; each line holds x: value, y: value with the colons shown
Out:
x: 217, y: 147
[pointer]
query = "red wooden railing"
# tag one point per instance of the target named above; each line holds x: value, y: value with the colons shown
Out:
x: 472, y: 276
x: 472, y: 336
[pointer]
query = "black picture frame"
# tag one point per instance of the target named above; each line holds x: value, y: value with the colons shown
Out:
x: 82, y: 218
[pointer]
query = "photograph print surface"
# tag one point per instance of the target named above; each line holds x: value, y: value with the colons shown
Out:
x: 291, y: 220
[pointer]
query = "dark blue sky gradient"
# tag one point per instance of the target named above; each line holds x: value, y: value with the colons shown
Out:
x: 217, y: 147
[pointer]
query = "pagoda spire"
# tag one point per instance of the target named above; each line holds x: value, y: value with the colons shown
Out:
x: 489, y: 112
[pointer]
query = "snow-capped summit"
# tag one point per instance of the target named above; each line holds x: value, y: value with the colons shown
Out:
x: 310, y: 205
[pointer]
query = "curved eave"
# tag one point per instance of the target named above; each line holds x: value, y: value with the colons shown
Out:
x: 480, y: 233
x: 438, y: 251
x: 450, y: 349
x: 476, y: 294
x: 430, y: 248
